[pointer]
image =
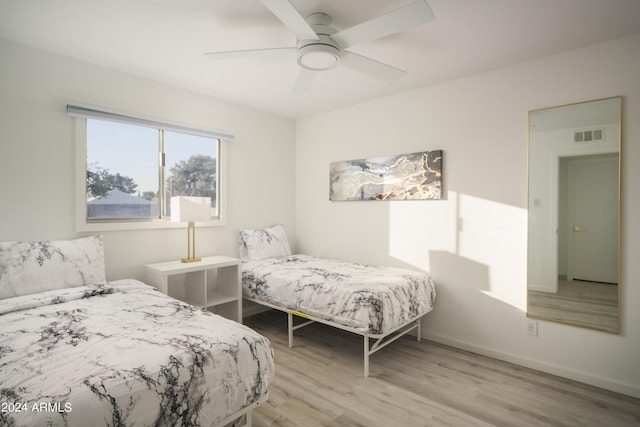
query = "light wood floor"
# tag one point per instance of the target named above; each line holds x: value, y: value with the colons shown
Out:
x: 587, y: 304
x: 319, y: 382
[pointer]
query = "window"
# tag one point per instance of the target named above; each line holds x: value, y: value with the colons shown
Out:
x: 132, y: 167
x: 122, y: 180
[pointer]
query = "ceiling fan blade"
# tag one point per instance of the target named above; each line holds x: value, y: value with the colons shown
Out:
x: 290, y: 17
x: 371, y: 67
x: 398, y: 20
x: 304, y: 80
x: 249, y: 52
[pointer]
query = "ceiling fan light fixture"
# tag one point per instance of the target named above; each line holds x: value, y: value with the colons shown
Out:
x: 318, y: 56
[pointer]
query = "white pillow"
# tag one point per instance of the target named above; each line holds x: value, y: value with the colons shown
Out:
x: 40, y: 266
x: 262, y: 243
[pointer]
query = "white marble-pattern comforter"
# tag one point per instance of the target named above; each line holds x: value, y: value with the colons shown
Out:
x: 370, y: 299
x: 123, y: 354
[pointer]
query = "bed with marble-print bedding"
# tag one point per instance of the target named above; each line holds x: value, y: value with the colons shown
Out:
x: 379, y: 303
x: 76, y: 350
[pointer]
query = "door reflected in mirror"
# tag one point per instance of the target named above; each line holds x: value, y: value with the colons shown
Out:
x: 573, y: 266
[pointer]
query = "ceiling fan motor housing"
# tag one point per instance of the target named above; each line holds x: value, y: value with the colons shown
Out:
x: 323, y: 53
x: 318, y: 55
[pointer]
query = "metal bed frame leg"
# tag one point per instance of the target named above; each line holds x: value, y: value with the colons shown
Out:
x: 366, y: 356
x: 419, y: 335
x: 290, y: 320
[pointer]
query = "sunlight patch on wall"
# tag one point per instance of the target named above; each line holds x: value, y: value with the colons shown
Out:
x: 495, y: 235
x: 415, y: 228
x: 487, y: 232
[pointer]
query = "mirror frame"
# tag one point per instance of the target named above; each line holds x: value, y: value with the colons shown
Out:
x: 555, y: 204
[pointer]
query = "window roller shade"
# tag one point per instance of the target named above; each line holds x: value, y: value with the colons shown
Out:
x: 86, y: 112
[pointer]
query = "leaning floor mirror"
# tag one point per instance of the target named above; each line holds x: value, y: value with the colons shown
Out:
x: 573, y: 266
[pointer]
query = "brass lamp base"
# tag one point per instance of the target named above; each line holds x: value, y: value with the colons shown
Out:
x: 191, y: 244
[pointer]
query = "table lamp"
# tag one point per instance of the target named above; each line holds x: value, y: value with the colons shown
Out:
x: 189, y: 210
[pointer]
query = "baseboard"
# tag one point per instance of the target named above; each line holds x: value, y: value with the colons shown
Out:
x: 560, y: 371
x: 533, y: 287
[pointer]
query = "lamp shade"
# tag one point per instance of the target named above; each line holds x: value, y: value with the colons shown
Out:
x: 185, y: 209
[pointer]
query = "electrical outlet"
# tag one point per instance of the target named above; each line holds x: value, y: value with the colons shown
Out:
x: 532, y: 327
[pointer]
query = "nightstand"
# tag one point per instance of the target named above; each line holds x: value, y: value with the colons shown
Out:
x: 213, y: 283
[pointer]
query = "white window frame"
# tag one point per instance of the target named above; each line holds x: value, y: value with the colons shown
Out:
x: 81, y: 114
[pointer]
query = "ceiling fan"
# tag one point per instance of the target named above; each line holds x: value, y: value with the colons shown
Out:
x: 320, y: 47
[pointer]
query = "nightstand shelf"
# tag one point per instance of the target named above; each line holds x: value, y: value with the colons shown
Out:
x: 217, y: 298
x: 213, y: 283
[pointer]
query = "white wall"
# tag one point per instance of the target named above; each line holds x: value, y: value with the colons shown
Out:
x: 475, y: 241
x: 37, y: 175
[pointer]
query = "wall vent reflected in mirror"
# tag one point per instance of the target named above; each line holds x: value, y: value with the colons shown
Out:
x: 573, y: 265
x: 591, y: 135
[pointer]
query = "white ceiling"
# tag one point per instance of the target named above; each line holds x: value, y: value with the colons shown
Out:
x: 165, y: 40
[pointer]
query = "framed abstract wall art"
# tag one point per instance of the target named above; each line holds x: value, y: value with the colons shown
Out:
x: 415, y: 176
